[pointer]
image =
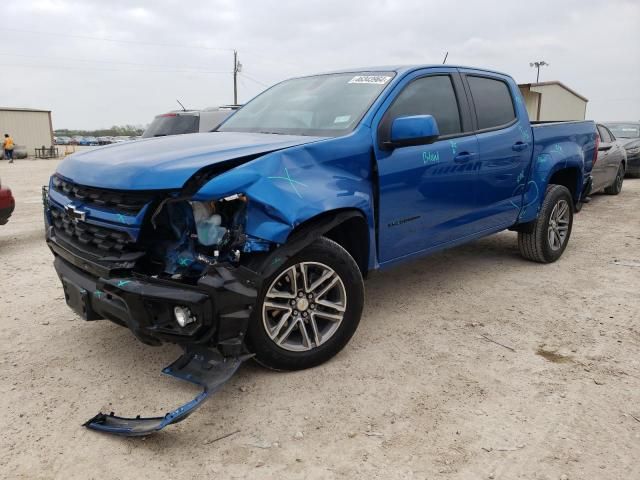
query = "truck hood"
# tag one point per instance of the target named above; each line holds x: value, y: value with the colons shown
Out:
x: 168, y: 162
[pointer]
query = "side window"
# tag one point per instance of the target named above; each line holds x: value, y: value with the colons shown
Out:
x: 612, y: 137
x: 604, y: 135
x: 493, y: 102
x: 433, y: 95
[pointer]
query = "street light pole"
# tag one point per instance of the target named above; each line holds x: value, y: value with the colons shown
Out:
x: 539, y: 64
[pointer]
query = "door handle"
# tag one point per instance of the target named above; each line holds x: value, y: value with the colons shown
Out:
x: 464, y: 157
x: 519, y: 146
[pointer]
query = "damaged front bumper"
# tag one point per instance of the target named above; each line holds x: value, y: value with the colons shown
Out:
x: 213, y: 342
x: 202, y: 366
x: 221, y: 301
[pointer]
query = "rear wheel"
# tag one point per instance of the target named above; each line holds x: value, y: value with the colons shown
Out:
x: 616, y: 187
x: 546, y: 240
x: 309, y: 309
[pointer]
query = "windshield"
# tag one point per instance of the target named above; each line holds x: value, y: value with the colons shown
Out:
x: 625, y: 130
x: 323, y: 105
x: 171, y: 124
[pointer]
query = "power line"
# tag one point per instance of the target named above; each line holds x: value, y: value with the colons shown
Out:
x: 253, y: 79
x: 73, y: 67
x: 97, y: 61
x: 105, y: 39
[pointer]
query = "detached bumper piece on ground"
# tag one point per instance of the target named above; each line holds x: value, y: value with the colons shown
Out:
x: 199, y: 365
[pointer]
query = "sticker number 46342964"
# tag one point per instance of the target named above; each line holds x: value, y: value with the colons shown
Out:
x: 377, y: 79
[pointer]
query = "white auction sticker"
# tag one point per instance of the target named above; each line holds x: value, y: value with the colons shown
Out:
x: 342, y: 119
x: 376, y: 79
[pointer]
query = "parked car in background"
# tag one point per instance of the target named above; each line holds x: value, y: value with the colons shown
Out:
x: 7, y: 203
x: 609, y: 168
x: 61, y: 140
x: 76, y: 140
x: 188, y: 121
x: 89, y: 141
x: 629, y: 134
x: 105, y: 140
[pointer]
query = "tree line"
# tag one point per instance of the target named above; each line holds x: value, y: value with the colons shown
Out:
x: 115, y: 131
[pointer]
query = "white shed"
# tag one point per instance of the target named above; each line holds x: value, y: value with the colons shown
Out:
x: 551, y: 101
x: 29, y: 127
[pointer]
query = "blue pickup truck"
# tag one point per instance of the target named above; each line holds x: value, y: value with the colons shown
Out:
x: 253, y: 240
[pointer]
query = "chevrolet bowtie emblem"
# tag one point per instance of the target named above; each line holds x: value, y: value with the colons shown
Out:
x: 75, y: 214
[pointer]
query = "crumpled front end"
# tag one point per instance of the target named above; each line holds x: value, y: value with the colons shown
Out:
x: 185, y: 265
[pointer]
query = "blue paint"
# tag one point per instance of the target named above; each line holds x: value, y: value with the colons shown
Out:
x: 525, y: 132
x: 98, y: 293
x: 122, y: 283
x: 291, y: 181
x: 454, y: 146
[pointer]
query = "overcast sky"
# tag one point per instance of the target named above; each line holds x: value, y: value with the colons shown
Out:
x: 96, y: 63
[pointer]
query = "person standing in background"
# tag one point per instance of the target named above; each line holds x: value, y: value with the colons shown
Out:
x: 8, y: 147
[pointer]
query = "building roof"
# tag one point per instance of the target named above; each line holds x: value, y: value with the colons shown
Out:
x: 12, y: 109
x: 553, y: 82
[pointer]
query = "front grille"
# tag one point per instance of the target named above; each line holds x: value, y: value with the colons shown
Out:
x: 89, y: 237
x: 129, y: 202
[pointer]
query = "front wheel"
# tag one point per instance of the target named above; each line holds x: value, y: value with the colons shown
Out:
x: 546, y: 240
x: 308, y: 310
x: 616, y: 187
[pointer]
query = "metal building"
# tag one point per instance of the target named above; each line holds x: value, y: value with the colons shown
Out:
x: 29, y: 128
x: 551, y: 101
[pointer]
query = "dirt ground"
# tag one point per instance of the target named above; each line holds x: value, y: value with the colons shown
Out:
x: 418, y: 393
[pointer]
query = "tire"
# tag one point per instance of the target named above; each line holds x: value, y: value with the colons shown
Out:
x: 616, y: 187
x: 535, y: 244
x: 267, y: 333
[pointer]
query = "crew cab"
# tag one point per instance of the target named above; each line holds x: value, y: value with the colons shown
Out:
x: 254, y: 239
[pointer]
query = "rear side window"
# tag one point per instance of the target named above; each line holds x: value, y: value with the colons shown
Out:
x: 172, y: 124
x: 493, y: 102
x: 432, y: 95
x: 604, y: 135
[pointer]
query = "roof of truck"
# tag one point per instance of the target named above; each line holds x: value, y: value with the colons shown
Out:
x: 409, y: 68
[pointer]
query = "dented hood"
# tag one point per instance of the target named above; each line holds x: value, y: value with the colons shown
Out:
x: 167, y: 162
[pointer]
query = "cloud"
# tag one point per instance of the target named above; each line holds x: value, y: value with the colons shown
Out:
x: 592, y: 46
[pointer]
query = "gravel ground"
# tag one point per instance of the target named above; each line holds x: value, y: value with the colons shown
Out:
x: 418, y: 393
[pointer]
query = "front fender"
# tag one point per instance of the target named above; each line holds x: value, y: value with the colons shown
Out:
x: 288, y: 187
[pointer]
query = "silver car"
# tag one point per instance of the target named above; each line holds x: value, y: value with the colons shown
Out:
x: 608, y: 171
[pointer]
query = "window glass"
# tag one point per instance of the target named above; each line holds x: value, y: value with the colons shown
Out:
x: 172, y: 124
x: 604, y: 135
x: 326, y: 105
x: 432, y: 95
x: 493, y: 102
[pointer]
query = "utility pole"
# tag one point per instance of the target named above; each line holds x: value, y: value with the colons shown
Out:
x: 237, y: 68
x: 537, y: 65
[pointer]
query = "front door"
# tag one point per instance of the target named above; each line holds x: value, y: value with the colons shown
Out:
x: 426, y: 191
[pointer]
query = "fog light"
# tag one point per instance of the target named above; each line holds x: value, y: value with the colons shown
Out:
x: 183, y: 316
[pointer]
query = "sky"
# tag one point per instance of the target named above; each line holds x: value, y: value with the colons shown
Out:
x: 97, y: 64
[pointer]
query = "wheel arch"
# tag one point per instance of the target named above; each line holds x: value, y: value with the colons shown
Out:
x: 346, y: 226
x: 569, y: 177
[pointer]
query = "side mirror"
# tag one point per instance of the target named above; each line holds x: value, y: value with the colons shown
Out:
x: 414, y: 130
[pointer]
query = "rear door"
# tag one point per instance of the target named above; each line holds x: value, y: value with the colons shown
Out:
x: 601, y: 173
x: 426, y: 191
x: 505, y: 146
